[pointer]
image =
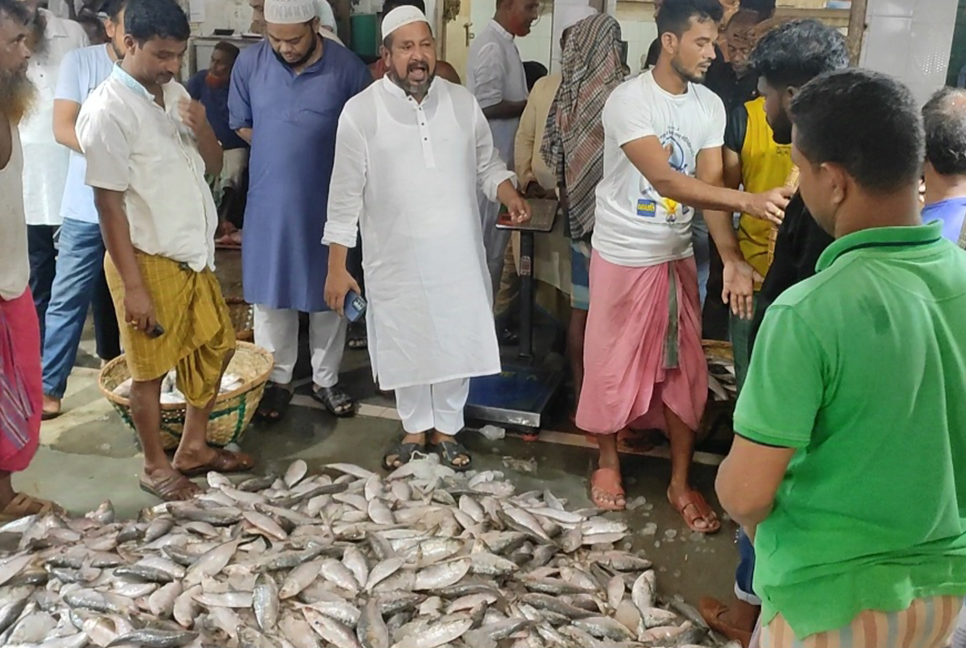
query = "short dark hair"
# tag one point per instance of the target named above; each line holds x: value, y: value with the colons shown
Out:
x: 764, y: 8
x: 113, y: 8
x: 793, y: 54
x: 944, y: 119
x: 15, y: 11
x: 147, y: 19
x: 675, y: 15
x: 534, y: 71
x: 228, y: 48
x: 865, y: 121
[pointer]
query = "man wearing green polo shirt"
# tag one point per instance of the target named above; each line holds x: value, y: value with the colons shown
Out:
x: 849, y: 464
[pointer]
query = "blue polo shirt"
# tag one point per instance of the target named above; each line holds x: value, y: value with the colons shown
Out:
x: 952, y: 213
x: 215, y: 101
x: 81, y: 71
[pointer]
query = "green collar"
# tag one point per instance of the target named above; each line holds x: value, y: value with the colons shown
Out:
x: 881, y: 237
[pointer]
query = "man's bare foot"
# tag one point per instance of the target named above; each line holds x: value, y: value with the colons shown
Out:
x: 168, y: 484
x: 606, y: 490
x: 200, y: 461
x: 51, y: 407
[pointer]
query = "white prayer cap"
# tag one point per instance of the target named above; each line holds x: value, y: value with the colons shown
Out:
x: 576, y: 14
x: 326, y: 16
x: 290, y: 12
x: 400, y: 17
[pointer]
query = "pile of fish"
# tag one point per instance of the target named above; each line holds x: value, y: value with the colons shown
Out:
x: 420, y: 558
x: 171, y: 395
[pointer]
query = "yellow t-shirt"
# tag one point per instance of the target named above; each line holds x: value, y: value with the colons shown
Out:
x: 765, y: 165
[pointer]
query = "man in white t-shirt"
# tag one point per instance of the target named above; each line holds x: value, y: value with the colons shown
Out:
x: 644, y: 363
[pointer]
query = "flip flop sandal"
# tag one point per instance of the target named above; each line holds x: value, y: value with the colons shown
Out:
x: 335, y: 400
x: 274, y: 403
x: 695, y: 501
x: 607, y: 480
x: 450, y: 451
x: 402, y: 453
x: 713, y: 611
x: 171, y: 489
x: 225, y: 462
x: 23, y: 505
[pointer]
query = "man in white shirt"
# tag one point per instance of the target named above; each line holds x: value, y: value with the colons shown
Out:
x: 19, y: 331
x: 45, y: 161
x: 148, y: 147
x: 495, y: 76
x: 644, y: 364
x: 79, y: 280
x: 429, y: 302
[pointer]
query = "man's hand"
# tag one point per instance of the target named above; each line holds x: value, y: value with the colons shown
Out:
x: 518, y: 208
x: 193, y: 115
x: 139, y: 310
x: 770, y: 205
x: 739, y: 288
x: 338, y: 283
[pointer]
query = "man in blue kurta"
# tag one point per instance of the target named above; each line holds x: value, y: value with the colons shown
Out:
x: 286, y: 96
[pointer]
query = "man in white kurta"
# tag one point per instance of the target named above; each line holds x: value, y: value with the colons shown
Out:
x: 410, y: 151
x: 495, y: 76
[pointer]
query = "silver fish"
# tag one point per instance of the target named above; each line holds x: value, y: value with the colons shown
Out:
x: 295, y: 473
x: 265, y: 602
x: 299, y: 578
x: 331, y: 630
x: 161, y: 602
x: 156, y: 638
x: 372, y: 631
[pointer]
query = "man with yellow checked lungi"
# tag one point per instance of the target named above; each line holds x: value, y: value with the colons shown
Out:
x: 148, y: 147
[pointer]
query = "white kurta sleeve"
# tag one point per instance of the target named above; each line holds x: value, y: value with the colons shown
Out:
x: 348, y: 184
x: 490, y: 169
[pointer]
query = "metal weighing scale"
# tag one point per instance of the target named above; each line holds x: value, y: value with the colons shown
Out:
x: 518, y: 396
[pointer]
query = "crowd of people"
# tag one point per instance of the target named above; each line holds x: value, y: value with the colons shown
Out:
x: 832, y: 203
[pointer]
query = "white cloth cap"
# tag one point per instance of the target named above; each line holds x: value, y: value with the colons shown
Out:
x: 576, y: 14
x: 326, y: 15
x: 401, y: 16
x: 290, y: 12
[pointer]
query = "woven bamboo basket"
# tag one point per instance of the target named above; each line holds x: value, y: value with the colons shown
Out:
x: 233, y: 410
x: 242, y: 318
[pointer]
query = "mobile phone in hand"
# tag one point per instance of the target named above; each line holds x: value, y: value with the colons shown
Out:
x: 355, y: 306
x: 157, y: 331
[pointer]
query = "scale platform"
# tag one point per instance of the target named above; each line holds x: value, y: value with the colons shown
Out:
x: 518, y: 397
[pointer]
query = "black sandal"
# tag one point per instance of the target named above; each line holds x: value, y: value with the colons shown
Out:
x: 274, y: 402
x: 335, y: 400
x: 358, y: 338
x: 403, y: 453
x: 450, y: 451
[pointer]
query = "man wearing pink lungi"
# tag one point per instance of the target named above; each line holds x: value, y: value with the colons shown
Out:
x: 20, y: 383
x: 644, y: 363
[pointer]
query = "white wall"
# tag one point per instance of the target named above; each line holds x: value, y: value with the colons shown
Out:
x: 536, y: 46
x: 910, y: 39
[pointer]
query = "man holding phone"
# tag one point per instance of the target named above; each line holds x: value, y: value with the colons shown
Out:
x: 148, y: 147
x: 429, y: 322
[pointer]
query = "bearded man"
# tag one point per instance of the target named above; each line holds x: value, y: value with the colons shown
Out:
x: 45, y: 161
x: 285, y: 98
x: 20, y: 391
x: 410, y: 153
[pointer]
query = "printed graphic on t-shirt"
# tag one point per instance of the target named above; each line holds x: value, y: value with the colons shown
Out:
x: 681, y: 156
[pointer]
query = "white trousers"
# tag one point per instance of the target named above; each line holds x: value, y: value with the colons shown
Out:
x: 277, y: 331
x: 433, y: 407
